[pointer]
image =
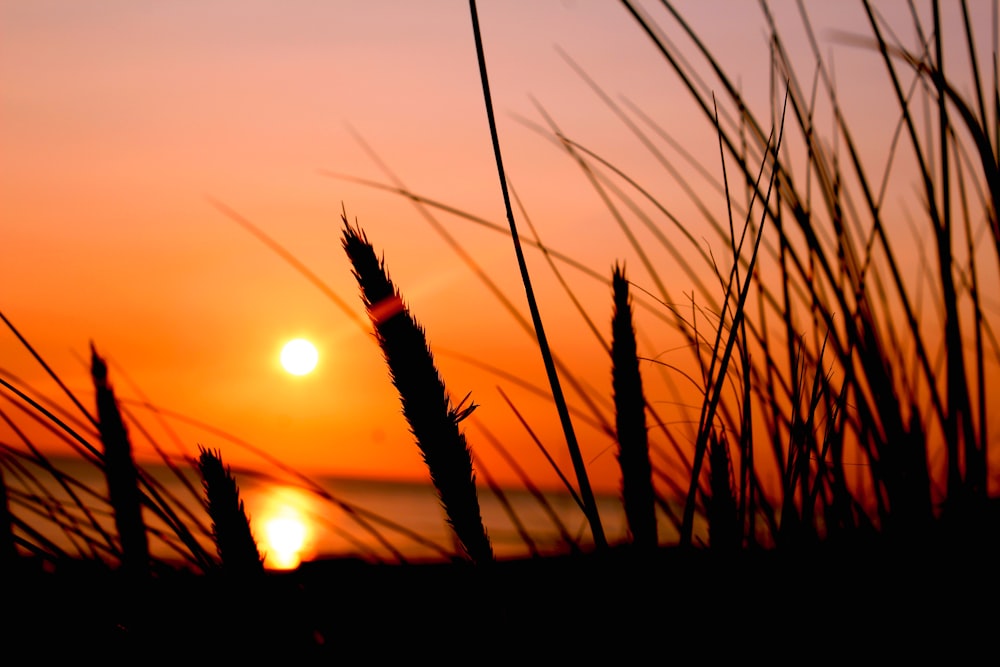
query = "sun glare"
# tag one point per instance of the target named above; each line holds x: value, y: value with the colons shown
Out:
x: 299, y: 356
x: 286, y: 535
x: 286, y: 529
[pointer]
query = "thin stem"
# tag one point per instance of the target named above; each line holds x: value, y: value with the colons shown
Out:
x: 587, y: 495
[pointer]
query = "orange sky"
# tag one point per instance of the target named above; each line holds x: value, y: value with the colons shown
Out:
x: 117, y: 118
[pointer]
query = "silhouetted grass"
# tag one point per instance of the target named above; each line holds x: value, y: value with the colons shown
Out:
x: 434, y: 420
x: 835, y: 418
x: 234, y: 539
x: 123, y: 482
x: 630, y: 419
x: 840, y: 276
x: 833, y: 399
x: 583, y: 480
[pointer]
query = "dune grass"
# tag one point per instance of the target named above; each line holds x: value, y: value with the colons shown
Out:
x: 851, y: 289
x: 231, y: 530
x: 582, y: 478
x: 433, y: 419
x: 843, y: 400
x: 123, y: 479
x: 834, y: 406
x: 630, y: 419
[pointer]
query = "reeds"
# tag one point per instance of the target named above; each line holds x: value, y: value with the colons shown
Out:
x: 427, y: 407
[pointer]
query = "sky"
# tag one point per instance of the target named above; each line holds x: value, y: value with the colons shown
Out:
x: 121, y: 122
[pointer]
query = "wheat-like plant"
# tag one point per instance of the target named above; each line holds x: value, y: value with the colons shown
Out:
x: 428, y: 409
x: 120, y: 469
x: 638, y: 496
x: 234, y: 540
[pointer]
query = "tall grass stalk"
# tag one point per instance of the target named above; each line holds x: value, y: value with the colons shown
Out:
x: 638, y: 496
x: 427, y: 407
x: 586, y: 493
x: 122, y: 476
x: 234, y: 539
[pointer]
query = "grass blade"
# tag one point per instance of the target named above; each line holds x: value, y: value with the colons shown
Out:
x: 586, y: 493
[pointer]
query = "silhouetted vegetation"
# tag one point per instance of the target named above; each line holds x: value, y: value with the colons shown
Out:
x: 840, y: 454
x: 433, y: 420
x: 123, y: 479
x: 230, y: 524
x: 638, y: 496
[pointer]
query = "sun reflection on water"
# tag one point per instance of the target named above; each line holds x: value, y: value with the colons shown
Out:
x: 285, y: 530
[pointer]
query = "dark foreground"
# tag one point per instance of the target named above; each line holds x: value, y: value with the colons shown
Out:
x: 819, y: 605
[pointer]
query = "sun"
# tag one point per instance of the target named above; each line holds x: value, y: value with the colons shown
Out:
x: 299, y: 356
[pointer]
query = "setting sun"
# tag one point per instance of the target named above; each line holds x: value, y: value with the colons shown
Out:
x: 299, y: 356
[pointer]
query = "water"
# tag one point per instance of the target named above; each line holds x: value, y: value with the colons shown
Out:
x: 386, y: 520
x: 295, y: 519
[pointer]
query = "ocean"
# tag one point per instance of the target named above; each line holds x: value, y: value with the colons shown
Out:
x: 296, y: 519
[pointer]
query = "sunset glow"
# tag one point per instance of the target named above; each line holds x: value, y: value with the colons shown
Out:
x: 384, y: 331
x: 120, y: 124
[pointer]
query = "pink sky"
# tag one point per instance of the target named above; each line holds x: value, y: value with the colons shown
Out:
x: 118, y: 118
